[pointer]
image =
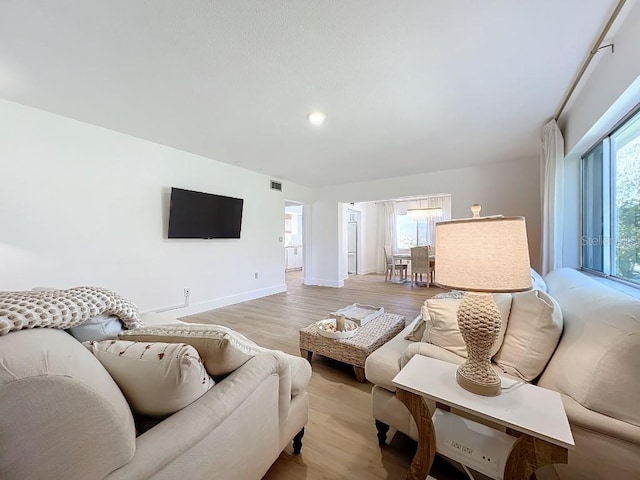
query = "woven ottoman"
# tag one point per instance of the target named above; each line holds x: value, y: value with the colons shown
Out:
x: 355, y: 350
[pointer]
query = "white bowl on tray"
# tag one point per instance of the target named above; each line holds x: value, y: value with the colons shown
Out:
x: 327, y: 328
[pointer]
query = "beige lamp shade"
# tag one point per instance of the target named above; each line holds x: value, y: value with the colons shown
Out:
x: 487, y: 254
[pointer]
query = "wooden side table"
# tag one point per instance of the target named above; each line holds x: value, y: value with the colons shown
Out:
x: 534, y: 418
x: 355, y: 350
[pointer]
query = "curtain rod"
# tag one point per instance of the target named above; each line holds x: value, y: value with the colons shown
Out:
x: 595, y: 49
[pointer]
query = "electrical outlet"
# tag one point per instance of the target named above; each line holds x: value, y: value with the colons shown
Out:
x: 459, y: 446
x: 255, y: 275
x: 187, y: 292
x: 469, y: 452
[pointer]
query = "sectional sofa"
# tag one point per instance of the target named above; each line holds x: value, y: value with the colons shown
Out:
x: 594, y: 367
x: 64, y: 417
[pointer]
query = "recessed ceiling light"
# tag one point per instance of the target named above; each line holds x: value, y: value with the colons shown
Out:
x: 316, y: 118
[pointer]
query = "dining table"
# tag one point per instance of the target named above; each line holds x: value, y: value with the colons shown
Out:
x: 401, y: 257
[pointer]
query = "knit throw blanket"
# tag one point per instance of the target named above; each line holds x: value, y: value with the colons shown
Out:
x: 63, y: 308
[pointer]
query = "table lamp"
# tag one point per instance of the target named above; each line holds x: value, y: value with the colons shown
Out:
x: 482, y: 256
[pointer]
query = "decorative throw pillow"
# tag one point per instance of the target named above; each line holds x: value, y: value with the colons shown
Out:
x: 98, y: 328
x: 534, y: 329
x: 537, y: 281
x: 157, y: 379
x: 222, y: 349
x: 442, y: 327
x: 417, y: 332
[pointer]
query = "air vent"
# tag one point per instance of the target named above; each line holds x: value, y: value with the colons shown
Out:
x: 276, y: 185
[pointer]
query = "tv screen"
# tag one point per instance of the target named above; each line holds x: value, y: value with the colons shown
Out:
x: 204, y: 215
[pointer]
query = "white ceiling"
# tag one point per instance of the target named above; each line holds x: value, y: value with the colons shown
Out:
x: 409, y: 86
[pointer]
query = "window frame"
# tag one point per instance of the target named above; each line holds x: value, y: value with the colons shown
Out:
x: 398, y: 248
x: 608, y: 202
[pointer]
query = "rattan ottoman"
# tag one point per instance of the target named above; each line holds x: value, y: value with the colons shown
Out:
x: 355, y: 350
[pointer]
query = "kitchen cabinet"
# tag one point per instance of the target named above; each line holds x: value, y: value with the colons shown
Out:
x: 293, y: 258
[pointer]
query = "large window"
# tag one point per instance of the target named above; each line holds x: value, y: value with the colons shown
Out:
x: 611, y: 204
x: 409, y: 232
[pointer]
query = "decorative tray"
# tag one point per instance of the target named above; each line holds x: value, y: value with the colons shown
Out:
x: 358, y: 313
x: 327, y: 328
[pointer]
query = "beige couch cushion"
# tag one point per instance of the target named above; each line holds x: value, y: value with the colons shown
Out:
x: 534, y: 328
x: 223, y: 350
x: 157, y: 379
x: 442, y: 323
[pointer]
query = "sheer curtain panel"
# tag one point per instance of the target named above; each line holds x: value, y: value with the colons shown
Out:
x: 386, y: 233
x: 552, y: 183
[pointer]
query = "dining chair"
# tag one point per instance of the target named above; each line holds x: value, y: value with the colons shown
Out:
x: 420, y: 264
x: 399, y: 267
x: 432, y: 262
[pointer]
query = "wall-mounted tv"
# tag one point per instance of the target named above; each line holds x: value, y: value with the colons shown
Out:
x: 204, y: 215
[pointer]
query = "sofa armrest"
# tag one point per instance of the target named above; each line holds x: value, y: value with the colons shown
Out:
x: 596, y: 422
x: 300, y: 374
x: 171, y: 438
x: 62, y: 416
x: 384, y: 364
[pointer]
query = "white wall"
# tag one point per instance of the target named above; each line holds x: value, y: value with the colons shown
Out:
x: 368, y: 239
x: 571, y: 220
x: 507, y: 188
x: 82, y: 205
x: 323, y: 234
x: 610, y: 92
x: 343, y: 260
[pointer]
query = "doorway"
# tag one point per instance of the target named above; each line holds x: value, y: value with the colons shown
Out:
x: 352, y: 241
x: 293, y: 236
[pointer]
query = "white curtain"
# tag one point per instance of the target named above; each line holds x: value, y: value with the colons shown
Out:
x: 443, y: 202
x: 552, y: 191
x: 386, y: 232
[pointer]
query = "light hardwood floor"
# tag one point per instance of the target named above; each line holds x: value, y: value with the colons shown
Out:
x: 340, y: 437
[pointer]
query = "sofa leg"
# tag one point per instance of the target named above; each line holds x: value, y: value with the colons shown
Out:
x: 297, y: 442
x: 382, y: 428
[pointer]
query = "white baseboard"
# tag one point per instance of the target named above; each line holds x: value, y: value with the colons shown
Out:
x: 321, y: 282
x: 181, y: 311
x: 367, y: 271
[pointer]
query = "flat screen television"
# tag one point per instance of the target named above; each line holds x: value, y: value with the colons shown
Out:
x: 204, y: 215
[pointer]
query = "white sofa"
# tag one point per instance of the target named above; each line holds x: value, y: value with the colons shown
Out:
x: 63, y: 417
x: 595, y: 367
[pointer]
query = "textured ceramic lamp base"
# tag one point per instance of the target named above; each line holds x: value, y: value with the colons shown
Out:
x: 479, y: 321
